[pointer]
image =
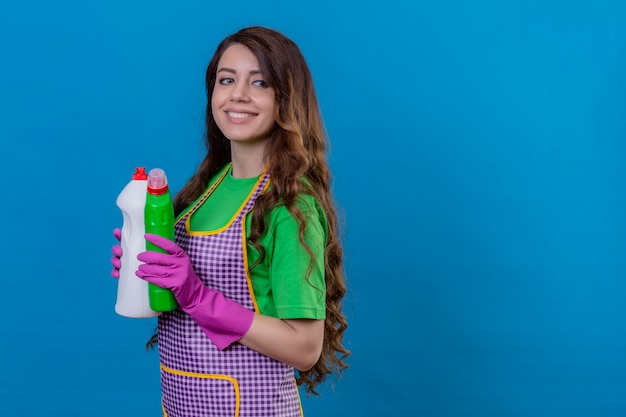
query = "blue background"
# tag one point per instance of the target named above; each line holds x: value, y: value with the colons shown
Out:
x: 478, y: 155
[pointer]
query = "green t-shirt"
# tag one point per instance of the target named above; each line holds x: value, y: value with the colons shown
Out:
x: 280, y: 283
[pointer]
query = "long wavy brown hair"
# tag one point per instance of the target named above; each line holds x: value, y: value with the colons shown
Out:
x: 296, y: 156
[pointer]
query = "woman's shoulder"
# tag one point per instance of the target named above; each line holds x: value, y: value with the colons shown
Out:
x: 305, y: 203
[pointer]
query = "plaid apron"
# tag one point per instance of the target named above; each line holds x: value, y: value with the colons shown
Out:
x: 199, y: 380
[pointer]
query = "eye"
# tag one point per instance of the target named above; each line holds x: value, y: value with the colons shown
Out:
x: 261, y: 83
x: 225, y: 81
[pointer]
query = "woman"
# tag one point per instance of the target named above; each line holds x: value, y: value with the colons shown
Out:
x: 257, y: 264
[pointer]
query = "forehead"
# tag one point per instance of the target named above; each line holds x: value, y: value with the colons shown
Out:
x: 239, y: 57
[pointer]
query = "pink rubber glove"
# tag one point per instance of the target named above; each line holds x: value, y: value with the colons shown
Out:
x: 223, y: 320
x: 117, y: 254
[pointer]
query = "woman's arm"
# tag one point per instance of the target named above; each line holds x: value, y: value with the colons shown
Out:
x: 296, y: 342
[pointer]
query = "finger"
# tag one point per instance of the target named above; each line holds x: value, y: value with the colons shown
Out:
x: 157, y: 258
x: 117, y: 232
x: 158, y: 281
x: 116, y: 262
x: 154, y: 270
x: 164, y: 243
x: 146, y: 274
x: 115, y: 273
x: 117, y: 250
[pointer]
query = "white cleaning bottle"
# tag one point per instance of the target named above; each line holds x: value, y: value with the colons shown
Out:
x: 132, y: 292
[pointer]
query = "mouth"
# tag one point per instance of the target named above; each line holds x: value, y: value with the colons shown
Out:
x: 238, y: 115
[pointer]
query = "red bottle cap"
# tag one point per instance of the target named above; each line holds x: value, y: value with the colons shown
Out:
x: 140, y: 174
x: 157, y: 181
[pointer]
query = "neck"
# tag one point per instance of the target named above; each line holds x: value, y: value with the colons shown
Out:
x: 248, y: 159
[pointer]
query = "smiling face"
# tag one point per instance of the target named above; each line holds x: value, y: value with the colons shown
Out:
x: 242, y: 102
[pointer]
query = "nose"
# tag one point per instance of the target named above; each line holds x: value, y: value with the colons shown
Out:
x: 239, y: 92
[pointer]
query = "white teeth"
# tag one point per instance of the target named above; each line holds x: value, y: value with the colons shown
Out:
x: 238, y: 115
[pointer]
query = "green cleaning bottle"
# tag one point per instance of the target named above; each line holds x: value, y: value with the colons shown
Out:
x: 159, y: 220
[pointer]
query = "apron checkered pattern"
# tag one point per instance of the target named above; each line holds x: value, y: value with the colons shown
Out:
x: 199, y: 380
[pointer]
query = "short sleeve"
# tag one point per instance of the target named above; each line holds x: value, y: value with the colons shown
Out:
x: 297, y: 281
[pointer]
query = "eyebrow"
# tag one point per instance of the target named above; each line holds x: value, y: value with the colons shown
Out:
x: 226, y: 69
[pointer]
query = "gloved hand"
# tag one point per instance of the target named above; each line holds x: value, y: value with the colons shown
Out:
x: 223, y: 320
x: 117, y: 254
